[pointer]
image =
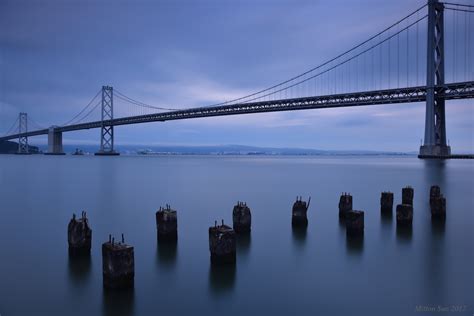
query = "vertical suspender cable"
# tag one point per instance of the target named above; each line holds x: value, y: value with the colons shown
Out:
x: 408, y: 33
x: 417, y: 43
x: 454, y: 45
x: 465, y: 45
x: 398, y: 60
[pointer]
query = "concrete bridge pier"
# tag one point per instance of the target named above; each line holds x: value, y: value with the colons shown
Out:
x: 55, y: 142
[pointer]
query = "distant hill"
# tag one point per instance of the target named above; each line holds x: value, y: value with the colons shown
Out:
x: 8, y: 147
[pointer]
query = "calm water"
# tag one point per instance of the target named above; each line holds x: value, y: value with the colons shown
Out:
x: 278, y: 271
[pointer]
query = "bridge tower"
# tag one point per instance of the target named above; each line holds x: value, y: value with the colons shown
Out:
x: 435, y: 119
x: 22, y: 139
x: 107, y: 130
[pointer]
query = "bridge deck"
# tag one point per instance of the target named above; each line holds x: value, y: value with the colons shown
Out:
x: 461, y: 90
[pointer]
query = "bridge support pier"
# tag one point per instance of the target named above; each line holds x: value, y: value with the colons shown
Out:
x: 55, y: 142
x: 107, y: 130
x: 434, y: 145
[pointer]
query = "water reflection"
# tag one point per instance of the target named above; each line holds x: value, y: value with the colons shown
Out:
x: 404, y: 233
x: 386, y: 219
x: 355, y: 244
x: 243, y: 244
x: 435, y: 172
x: 299, y: 235
x: 438, y: 227
x: 222, y: 278
x: 79, y: 268
x: 167, y: 254
x: 118, y: 302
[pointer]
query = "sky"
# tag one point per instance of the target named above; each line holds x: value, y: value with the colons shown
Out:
x: 56, y: 55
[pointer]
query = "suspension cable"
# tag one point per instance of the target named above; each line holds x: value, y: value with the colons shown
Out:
x: 12, y: 127
x: 323, y: 64
x: 82, y: 111
x: 138, y: 103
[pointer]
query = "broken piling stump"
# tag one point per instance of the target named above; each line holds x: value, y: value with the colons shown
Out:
x: 386, y: 202
x: 345, y: 204
x: 79, y: 235
x: 407, y: 195
x: 118, y: 264
x: 241, y: 217
x: 437, y: 203
x: 167, y: 224
x: 354, y: 223
x: 404, y: 215
x: 299, y: 211
x: 222, y: 244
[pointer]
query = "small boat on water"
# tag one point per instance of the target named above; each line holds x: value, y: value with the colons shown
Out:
x: 78, y: 152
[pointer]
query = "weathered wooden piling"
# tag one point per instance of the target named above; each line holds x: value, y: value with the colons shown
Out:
x: 222, y: 244
x: 118, y: 264
x: 386, y: 202
x: 354, y: 223
x: 299, y: 211
x: 404, y: 214
x: 79, y: 235
x: 241, y: 217
x: 345, y: 204
x: 437, y: 203
x: 167, y: 224
x: 407, y: 195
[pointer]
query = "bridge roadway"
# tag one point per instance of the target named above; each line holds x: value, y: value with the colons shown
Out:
x: 460, y: 90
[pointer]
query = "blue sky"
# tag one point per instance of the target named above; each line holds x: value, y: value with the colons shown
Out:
x: 55, y: 55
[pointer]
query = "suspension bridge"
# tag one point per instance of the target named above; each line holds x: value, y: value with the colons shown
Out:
x: 427, y: 56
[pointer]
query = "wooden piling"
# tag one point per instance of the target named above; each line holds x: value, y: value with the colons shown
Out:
x: 404, y: 215
x: 437, y: 203
x: 345, y: 204
x: 222, y: 244
x: 386, y: 202
x: 118, y: 264
x: 407, y: 195
x: 354, y: 223
x: 79, y: 235
x: 299, y: 212
x: 241, y: 217
x: 167, y: 224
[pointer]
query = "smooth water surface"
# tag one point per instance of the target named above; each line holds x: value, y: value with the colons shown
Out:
x: 279, y: 271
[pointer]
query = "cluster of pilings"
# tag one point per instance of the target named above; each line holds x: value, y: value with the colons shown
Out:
x: 118, y: 263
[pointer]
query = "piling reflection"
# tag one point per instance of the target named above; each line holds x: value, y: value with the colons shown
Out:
x: 438, y: 227
x: 167, y: 254
x: 386, y: 219
x: 243, y: 244
x: 299, y: 235
x: 222, y: 278
x: 118, y: 302
x: 355, y: 244
x: 79, y: 268
x: 404, y: 233
x: 435, y: 171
